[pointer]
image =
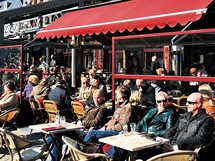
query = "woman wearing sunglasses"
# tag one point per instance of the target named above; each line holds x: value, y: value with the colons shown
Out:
x: 156, y: 120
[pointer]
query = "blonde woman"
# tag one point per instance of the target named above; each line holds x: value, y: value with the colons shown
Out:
x: 136, y: 103
x: 206, y: 92
x: 84, y: 92
x: 33, y: 80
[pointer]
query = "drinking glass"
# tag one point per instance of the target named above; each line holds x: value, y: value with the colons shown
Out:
x: 125, y: 129
x: 132, y: 126
x: 62, y: 119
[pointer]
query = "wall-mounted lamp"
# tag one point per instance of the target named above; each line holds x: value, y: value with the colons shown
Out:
x: 82, y: 42
x: 72, y: 42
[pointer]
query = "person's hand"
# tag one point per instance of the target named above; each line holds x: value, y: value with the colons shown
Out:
x: 79, y: 122
x: 102, y: 129
x: 175, y: 147
x: 167, y: 148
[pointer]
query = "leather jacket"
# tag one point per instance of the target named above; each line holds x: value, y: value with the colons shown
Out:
x: 191, y: 132
x: 157, y: 124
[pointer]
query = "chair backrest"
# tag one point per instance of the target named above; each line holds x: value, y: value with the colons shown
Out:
x: 8, y: 116
x: 202, y: 150
x: 38, y: 110
x: 36, y: 104
x: 78, y: 155
x: 51, y: 108
x: 181, y: 155
x: 181, y: 102
x: 15, y: 143
x: 78, y: 109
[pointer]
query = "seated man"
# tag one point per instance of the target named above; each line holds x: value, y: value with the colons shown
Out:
x: 122, y: 116
x: 60, y: 94
x: 156, y: 120
x: 193, y: 129
x: 94, y: 117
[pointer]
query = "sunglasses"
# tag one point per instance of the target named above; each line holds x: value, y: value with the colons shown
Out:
x: 191, y: 103
x: 159, y: 101
x: 84, y: 83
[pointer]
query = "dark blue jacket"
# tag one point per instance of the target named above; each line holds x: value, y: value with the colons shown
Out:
x: 61, y: 96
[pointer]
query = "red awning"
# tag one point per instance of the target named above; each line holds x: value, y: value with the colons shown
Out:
x: 130, y: 15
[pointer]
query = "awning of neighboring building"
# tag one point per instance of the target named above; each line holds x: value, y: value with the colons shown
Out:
x: 129, y: 15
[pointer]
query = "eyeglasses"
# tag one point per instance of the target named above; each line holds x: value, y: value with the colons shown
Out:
x: 159, y: 101
x: 84, y: 83
x: 191, y: 103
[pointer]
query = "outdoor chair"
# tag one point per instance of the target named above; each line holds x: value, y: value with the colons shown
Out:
x: 202, y: 151
x: 38, y: 111
x: 77, y: 155
x: 181, y: 102
x: 181, y: 155
x: 8, y: 116
x: 78, y: 109
x: 21, y: 149
x: 52, y: 109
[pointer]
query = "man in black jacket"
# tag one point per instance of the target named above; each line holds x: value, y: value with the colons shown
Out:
x: 60, y: 94
x: 194, y: 128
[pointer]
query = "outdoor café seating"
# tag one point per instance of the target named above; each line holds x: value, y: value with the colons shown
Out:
x: 21, y: 148
x: 181, y: 155
x: 78, y: 155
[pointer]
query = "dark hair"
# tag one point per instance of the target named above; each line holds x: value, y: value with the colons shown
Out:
x: 125, y: 92
x: 11, y: 85
x: 97, y: 77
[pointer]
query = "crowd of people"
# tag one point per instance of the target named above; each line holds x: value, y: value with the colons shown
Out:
x: 139, y: 101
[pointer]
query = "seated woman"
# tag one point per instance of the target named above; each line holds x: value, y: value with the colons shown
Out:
x: 208, y: 105
x: 33, y: 80
x: 84, y: 89
x: 136, y: 101
x: 94, y: 117
x: 97, y: 83
x: 8, y: 100
x: 41, y: 90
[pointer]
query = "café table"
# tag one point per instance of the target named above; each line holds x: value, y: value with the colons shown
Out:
x: 132, y: 142
x: 54, y: 128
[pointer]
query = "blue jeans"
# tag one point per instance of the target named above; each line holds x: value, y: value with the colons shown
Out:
x: 55, y: 148
x: 94, y: 135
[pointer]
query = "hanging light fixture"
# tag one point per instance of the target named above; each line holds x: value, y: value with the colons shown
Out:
x: 82, y: 42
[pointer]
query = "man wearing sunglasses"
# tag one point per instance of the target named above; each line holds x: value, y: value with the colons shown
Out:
x: 193, y: 129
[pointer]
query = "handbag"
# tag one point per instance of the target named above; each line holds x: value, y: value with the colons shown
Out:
x: 89, y: 147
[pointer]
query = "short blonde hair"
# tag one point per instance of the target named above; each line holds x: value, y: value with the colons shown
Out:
x: 160, y: 71
x: 162, y: 93
x: 84, y: 79
x: 92, y: 71
x: 205, y: 90
x: 33, y: 79
x: 136, y: 96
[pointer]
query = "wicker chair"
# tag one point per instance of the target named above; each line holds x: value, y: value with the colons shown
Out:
x: 78, y: 155
x: 78, y: 109
x: 21, y: 149
x: 181, y: 155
